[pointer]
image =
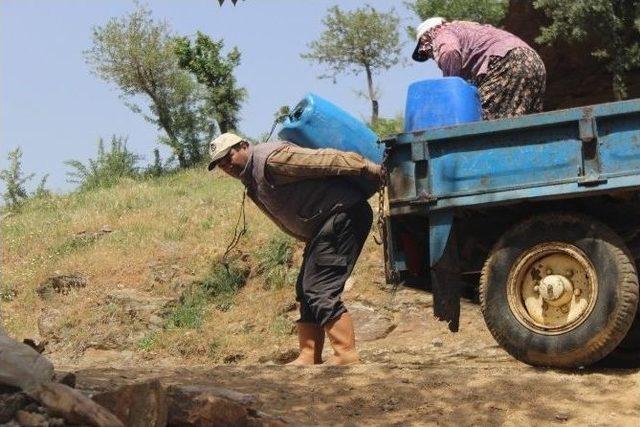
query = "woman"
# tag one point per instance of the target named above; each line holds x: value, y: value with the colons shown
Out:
x: 509, y: 74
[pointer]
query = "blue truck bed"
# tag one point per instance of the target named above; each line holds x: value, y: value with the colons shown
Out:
x: 554, y: 154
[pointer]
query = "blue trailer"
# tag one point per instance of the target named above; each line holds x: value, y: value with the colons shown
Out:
x: 539, y: 214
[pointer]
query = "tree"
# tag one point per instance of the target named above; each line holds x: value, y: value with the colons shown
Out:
x: 483, y: 11
x: 108, y: 167
x: 613, y: 26
x: 360, y: 40
x: 138, y: 55
x: 14, y: 180
x: 204, y: 60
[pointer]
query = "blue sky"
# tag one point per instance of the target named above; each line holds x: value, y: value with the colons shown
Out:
x: 55, y: 109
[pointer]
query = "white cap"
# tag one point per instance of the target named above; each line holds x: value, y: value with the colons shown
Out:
x: 219, y: 147
x: 427, y: 25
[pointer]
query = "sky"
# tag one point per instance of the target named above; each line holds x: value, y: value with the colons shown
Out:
x: 55, y: 109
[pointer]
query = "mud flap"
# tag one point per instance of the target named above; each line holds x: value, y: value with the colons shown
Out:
x: 446, y: 284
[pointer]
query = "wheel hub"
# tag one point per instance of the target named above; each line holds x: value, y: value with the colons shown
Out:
x: 552, y: 288
x: 556, y: 289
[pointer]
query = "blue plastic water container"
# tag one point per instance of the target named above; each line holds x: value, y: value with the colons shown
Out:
x: 441, y: 102
x: 317, y: 123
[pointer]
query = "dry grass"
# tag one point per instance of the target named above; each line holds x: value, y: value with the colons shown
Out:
x: 167, y: 236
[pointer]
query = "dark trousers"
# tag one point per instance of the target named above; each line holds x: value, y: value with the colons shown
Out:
x: 328, y: 261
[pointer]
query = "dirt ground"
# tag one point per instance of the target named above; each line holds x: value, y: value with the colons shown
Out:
x: 417, y: 373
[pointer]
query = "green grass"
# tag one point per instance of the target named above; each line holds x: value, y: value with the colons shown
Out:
x: 189, y: 312
x: 148, y: 341
x: 223, y: 283
x: 274, y: 262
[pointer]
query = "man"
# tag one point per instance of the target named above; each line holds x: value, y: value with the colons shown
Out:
x: 305, y: 193
x: 509, y: 74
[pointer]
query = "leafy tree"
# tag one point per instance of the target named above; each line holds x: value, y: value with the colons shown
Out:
x: 483, y: 11
x: 107, y: 169
x: 360, y: 40
x: 612, y: 25
x: 14, y: 180
x: 137, y: 54
x: 204, y: 59
x: 385, y: 127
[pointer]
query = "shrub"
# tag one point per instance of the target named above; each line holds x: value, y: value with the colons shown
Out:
x: 107, y: 169
x: 15, y: 180
x: 274, y: 262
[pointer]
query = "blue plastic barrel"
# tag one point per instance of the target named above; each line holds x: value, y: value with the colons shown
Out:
x: 317, y: 123
x: 441, y: 102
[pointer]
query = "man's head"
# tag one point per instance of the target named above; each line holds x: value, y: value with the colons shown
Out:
x: 229, y: 152
x: 424, y: 50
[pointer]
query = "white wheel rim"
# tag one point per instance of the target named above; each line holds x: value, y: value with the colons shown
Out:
x: 552, y: 288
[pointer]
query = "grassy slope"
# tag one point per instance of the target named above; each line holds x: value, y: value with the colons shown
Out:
x: 167, y: 234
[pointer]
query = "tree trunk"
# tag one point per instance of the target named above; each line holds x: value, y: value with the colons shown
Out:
x: 372, y: 96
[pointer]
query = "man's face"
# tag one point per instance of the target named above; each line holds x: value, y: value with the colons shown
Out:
x: 426, y: 48
x: 235, y: 160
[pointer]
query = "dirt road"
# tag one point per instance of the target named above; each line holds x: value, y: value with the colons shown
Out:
x: 417, y: 373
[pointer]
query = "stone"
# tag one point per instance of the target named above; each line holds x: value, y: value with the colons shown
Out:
x: 48, y: 323
x: 437, y: 342
x: 61, y: 284
x: 73, y: 406
x: 141, y: 305
x: 10, y: 404
x: 21, y: 366
x: 30, y: 419
x: 369, y: 324
x: 66, y: 378
x: 141, y: 404
x: 214, y: 406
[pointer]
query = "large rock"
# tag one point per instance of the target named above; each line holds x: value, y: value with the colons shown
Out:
x: 21, y: 366
x: 214, y: 406
x: 369, y: 324
x: 142, y: 404
x: 73, y: 406
x: 61, y: 284
x: 574, y: 76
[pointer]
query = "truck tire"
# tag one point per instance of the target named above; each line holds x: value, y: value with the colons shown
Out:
x: 559, y: 290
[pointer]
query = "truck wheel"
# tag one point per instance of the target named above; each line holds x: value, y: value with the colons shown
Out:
x: 559, y: 290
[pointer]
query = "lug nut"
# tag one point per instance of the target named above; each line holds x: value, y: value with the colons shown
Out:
x: 536, y: 289
x: 569, y: 273
x: 577, y: 292
x: 549, y: 271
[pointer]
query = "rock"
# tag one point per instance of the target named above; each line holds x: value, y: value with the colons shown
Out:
x: 39, y: 347
x: 214, y: 406
x: 30, y: 419
x: 145, y: 307
x: 10, y: 404
x: 437, y: 342
x: 73, y: 406
x: 369, y: 324
x: 21, y: 366
x: 66, y: 378
x: 48, y: 323
x: 61, y: 284
x: 142, y: 404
